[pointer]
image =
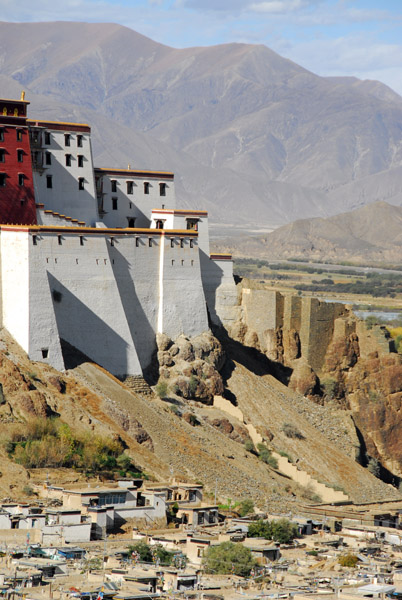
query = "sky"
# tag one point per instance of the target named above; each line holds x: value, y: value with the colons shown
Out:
x: 361, y: 38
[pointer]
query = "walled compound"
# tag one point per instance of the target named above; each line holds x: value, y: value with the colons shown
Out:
x: 97, y: 260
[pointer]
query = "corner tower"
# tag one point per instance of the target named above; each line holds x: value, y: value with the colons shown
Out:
x: 17, y: 198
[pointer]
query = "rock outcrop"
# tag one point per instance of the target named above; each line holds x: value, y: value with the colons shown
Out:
x: 190, y: 367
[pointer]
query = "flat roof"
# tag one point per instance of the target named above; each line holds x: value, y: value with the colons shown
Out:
x: 128, y: 171
x: 98, y: 230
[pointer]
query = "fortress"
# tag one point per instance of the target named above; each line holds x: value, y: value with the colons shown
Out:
x: 97, y: 260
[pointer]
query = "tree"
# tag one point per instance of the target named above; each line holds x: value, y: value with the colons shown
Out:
x: 282, y: 530
x: 228, y: 558
x: 260, y: 528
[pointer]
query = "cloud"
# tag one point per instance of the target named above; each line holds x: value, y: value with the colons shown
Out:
x: 354, y: 55
x: 251, y: 6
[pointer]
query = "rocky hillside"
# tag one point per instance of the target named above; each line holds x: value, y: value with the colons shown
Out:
x: 371, y: 234
x: 321, y: 350
x: 234, y: 121
x: 192, y: 440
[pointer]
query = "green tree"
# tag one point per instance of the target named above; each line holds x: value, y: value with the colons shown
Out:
x: 228, y: 558
x: 283, y: 531
x: 260, y: 528
x: 143, y: 550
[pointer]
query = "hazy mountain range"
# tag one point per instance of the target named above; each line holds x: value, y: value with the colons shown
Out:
x: 251, y: 136
x: 370, y: 234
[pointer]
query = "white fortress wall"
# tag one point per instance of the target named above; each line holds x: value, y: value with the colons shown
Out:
x: 15, y: 283
x: 184, y: 304
x: 75, y: 281
x: 100, y: 291
x: 64, y: 196
x: 220, y: 288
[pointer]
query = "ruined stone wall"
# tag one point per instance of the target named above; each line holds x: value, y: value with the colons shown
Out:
x: 317, y: 328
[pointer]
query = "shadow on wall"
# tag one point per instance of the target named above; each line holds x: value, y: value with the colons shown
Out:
x: 81, y: 328
x: 251, y: 358
x: 142, y: 333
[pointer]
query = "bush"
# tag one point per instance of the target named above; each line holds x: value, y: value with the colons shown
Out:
x: 374, y: 467
x: 161, y: 388
x: 291, y: 431
x: 51, y: 443
x: 152, y: 553
x: 249, y: 446
x: 329, y: 387
x: 228, y: 558
x: 265, y: 455
x: 246, y: 507
x: 348, y: 560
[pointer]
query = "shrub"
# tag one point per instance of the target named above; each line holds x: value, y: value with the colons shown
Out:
x: 192, y: 386
x: 329, y: 387
x: 374, y: 467
x: 265, y: 455
x: 161, y: 388
x: 51, y: 443
x: 228, y: 558
x: 246, y: 507
x: 348, y: 560
x: 249, y: 446
x: 291, y: 431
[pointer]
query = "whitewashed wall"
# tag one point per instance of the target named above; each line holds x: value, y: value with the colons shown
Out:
x: 65, y: 197
x: 137, y: 205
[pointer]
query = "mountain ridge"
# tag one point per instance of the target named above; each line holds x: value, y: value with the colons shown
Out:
x: 234, y: 121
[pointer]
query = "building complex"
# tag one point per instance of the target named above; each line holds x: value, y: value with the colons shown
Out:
x: 96, y: 261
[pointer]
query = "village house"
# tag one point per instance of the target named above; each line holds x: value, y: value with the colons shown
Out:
x: 195, y: 516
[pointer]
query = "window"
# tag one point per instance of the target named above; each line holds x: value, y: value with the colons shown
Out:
x: 79, y: 141
x: 137, y: 242
x: 131, y: 222
x: 19, y: 135
x: 45, y: 354
x: 80, y: 159
x: 146, y: 187
x: 59, y: 240
x: 192, y: 224
x: 49, y: 181
x: 67, y: 139
x: 181, y: 243
x: 2, y: 179
x: 162, y: 189
x: 21, y: 179
x: 1, y: 134
x: 2, y: 155
x: 81, y: 183
x: 112, y: 241
x: 171, y: 242
x: 191, y: 243
x: 48, y: 158
x: 159, y: 224
x: 81, y: 240
x: 68, y: 160
x: 20, y: 155
x: 114, y: 185
x: 130, y: 187
x: 34, y: 240
x: 47, y: 138
x: 114, y: 203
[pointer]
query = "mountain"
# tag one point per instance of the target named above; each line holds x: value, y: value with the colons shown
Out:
x: 372, y: 233
x: 253, y: 137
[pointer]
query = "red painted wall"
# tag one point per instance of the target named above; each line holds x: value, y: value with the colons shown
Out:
x: 17, y: 203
